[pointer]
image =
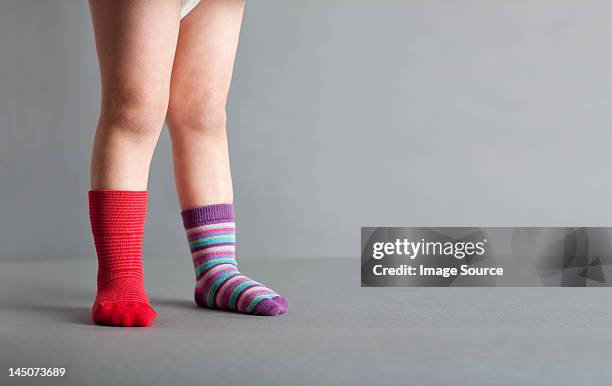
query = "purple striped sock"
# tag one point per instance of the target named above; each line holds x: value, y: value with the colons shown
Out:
x: 211, y: 233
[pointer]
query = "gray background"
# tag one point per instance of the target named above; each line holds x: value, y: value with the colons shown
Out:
x: 342, y: 114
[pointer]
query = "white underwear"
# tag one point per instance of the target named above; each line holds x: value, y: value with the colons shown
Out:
x: 188, y: 6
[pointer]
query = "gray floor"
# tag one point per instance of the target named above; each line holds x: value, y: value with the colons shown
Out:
x: 336, y: 333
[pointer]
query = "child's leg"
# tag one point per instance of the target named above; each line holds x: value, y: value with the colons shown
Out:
x: 136, y: 41
x: 198, y: 92
x: 196, y: 116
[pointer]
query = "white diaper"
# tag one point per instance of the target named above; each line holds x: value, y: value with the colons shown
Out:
x: 188, y: 5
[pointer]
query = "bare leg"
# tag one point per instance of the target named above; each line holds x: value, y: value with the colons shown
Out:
x: 201, y: 79
x: 136, y: 41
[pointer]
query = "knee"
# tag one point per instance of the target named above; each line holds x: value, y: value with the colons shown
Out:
x: 139, y: 115
x: 207, y: 117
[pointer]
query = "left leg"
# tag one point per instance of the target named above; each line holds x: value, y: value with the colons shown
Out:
x: 201, y: 77
x: 196, y: 117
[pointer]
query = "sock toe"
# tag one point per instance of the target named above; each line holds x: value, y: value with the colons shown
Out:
x: 282, y: 303
x: 123, y: 314
x: 271, y: 307
x: 145, y: 319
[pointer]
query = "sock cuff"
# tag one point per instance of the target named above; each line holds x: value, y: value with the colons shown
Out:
x: 207, y: 214
x: 117, y: 210
x: 101, y: 194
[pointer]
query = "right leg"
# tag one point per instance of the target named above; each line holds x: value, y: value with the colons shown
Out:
x: 136, y: 41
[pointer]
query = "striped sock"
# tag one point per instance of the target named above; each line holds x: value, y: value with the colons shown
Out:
x: 212, y: 236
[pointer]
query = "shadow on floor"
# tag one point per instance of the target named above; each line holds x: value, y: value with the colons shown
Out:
x: 191, y: 306
x: 40, y: 313
x: 178, y: 303
x: 41, y: 303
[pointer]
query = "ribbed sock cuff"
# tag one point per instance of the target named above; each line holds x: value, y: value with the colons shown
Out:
x: 207, y: 214
x: 117, y: 210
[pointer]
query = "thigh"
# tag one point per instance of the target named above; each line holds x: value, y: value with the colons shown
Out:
x: 204, y: 59
x: 136, y: 41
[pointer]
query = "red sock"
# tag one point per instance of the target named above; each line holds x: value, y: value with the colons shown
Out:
x: 117, y: 223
